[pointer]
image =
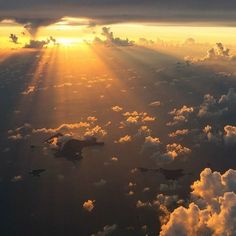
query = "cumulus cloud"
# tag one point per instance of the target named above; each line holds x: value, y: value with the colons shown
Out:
x: 212, y: 106
x: 211, y: 136
x: 137, y: 118
x: 89, y: 205
x: 211, y: 210
x: 179, y: 132
x: 152, y: 146
x: 117, y: 108
x: 107, y: 230
x: 144, y: 130
x: 21, y: 132
x: 180, y: 115
x: 110, y: 40
x: 151, y: 143
x: 125, y: 139
x: 36, y: 44
x: 230, y: 134
x: 173, y: 151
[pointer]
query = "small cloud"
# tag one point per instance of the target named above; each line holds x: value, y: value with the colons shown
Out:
x: 89, y: 205
x: 230, y: 134
x: 155, y: 104
x: 100, y: 183
x: 124, y: 139
x: 117, y: 108
x: 180, y: 115
x: 13, y: 38
x: 178, y: 132
x: 17, y: 178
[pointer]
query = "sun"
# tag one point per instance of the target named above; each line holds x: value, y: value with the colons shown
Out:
x: 66, y: 41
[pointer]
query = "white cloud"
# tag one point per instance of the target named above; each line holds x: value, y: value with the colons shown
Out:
x: 212, y: 210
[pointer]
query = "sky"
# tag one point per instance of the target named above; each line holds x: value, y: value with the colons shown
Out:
x: 148, y: 88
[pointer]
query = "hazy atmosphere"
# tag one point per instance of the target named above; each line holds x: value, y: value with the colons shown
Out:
x: 117, y: 118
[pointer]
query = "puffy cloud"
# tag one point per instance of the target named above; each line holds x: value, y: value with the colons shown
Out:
x: 213, y: 107
x: 17, y: 178
x: 95, y: 131
x: 117, y: 108
x: 212, y: 210
x: 89, y: 205
x: 211, y: 136
x: 173, y: 151
x: 107, y: 230
x: 230, y: 134
x: 20, y: 132
x: 151, y: 142
x: 92, y: 118
x: 180, y: 132
x: 144, y: 130
x: 110, y: 40
x: 36, y: 44
x: 29, y: 90
x: 125, y: 139
x: 180, y: 115
x: 137, y: 118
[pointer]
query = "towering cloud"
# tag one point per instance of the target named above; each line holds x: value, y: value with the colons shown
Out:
x: 212, y: 209
x: 110, y: 40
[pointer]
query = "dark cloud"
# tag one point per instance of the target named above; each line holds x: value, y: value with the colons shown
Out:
x: 13, y: 38
x: 110, y: 40
x: 33, y: 14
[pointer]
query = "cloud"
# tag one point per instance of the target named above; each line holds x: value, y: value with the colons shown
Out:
x: 110, y: 40
x: 212, y: 137
x: 36, y: 44
x: 179, y: 132
x: 173, y: 151
x: 100, y: 183
x: 89, y: 205
x: 13, y: 38
x: 213, y: 107
x: 125, y: 139
x: 155, y: 104
x: 218, y: 53
x: 230, y: 134
x: 137, y: 118
x: 151, y: 143
x: 29, y: 90
x: 180, y: 115
x: 17, y: 178
x: 21, y: 132
x: 117, y: 108
x: 230, y: 97
x: 211, y: 210
x: 34, y: 14
x: 107, y: 230
x: 144, y: 130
